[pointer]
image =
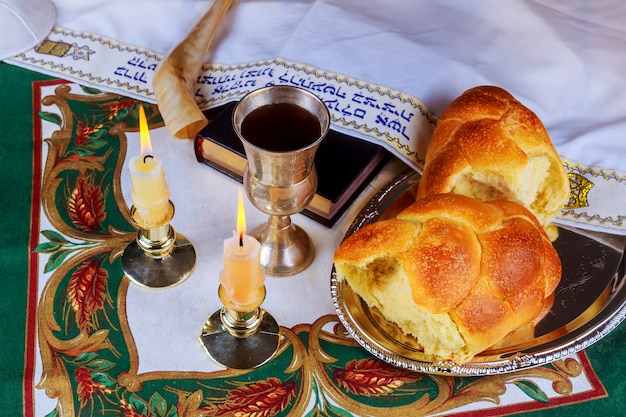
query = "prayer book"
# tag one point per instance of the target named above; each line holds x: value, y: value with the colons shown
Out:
x: 345, y: 164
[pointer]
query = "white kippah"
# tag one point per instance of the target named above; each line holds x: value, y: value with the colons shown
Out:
x: 23, y: 24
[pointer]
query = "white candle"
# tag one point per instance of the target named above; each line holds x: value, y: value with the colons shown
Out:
x: 242, y: 277
x: 150, y: 194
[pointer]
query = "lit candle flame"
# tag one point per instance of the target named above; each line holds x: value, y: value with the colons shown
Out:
x: 144, y: 135
x: 241, y: 218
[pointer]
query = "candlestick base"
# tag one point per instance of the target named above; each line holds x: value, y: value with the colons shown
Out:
x: 168, y: 271
x: 240, y: 340
x: 159, y: 257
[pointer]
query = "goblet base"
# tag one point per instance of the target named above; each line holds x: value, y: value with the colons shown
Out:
x: 168, y: 270
x: 220, y: 341
x: 286, y: 248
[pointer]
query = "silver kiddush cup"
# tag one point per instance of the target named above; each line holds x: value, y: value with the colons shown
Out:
x: 280, y: 178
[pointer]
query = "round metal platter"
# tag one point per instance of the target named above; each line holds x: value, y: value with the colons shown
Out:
x: 590, y: 302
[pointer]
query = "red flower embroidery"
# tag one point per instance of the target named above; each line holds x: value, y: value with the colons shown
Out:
x: 86, y: 206
x: 128, y: 410
x: 83, y: 132
x: 115, y: 107
x: 86, y: 292
x: 259, y: 399
x: 371, y: 377
x: 87, y: 386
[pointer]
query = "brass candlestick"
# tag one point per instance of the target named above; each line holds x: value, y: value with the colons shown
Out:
x: 159, y: 257
x: 240, y: 337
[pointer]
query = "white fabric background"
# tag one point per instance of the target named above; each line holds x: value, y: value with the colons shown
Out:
x: 23, y: 24
x: 565, y: 60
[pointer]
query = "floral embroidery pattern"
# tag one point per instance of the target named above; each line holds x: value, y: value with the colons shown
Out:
x: 370, y: 376
x: 87, y: 385
x: 258, y: 399
x: 87, y: 289
x: 119, y: 108
x: 86, y: 205
x: 84, y: 132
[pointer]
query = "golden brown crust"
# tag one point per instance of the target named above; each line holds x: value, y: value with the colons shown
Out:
x: 479, y: 215
x: 489, y: 266
x: 443, y: 263
x: 489, y: 146
x: 377, y: 239
x: 482, y: 317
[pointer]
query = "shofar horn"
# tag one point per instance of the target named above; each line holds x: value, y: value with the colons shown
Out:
x: 175, y: 78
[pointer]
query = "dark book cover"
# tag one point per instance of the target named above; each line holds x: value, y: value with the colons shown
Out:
x: 345, y: 164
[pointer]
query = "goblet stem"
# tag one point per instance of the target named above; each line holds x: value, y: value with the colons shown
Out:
x: 280, y: 222
x: 286, y: 248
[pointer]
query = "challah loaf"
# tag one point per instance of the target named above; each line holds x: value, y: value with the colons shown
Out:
x: 455, y: 273
x: 487, y: 145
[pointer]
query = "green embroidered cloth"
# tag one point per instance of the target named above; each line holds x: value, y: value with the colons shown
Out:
x: 68, y: 338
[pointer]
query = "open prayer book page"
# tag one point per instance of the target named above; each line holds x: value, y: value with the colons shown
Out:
x: 345, y: 164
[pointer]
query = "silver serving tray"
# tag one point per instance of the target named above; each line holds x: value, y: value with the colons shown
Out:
x: 590, y: 302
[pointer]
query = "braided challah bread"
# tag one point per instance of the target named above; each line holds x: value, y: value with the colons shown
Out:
x: 455, y: 273
x: 487, y: 145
